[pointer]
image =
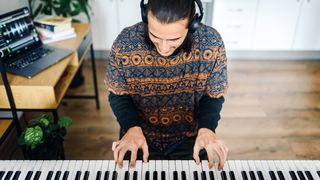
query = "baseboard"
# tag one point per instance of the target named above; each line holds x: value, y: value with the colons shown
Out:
x: 251, y: 55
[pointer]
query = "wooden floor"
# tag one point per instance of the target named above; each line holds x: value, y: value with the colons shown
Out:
x: 272, y: 111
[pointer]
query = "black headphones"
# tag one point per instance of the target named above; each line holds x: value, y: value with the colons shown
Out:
x: 193, y: 25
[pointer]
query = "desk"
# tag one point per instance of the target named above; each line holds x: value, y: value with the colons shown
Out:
x: 45, y: 91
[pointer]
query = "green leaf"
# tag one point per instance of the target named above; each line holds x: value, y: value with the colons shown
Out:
x: 37, y: 11
x: 33, y: 136
x: 65, y: 121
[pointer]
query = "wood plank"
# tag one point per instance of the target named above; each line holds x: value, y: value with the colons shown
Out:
x: 4, y: 125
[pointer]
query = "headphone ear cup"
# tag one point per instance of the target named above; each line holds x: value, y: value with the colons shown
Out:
x: 194, y: 24
x: 144, y: 16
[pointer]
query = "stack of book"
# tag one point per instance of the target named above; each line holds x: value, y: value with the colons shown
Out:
x: 54, y: 28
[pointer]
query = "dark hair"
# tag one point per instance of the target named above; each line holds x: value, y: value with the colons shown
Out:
x: 170, y: 11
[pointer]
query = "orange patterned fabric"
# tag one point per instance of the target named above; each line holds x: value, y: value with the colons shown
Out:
x: 166, y: 90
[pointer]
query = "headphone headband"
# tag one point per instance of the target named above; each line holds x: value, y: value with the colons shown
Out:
x: 194, y: 23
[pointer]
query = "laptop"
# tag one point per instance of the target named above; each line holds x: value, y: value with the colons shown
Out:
x: 21, y: 48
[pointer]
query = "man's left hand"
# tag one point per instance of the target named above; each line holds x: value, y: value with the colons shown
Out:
x: 208, y: 140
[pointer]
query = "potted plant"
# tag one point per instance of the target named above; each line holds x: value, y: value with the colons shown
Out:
x: 66, y: 8
x: 43, y: 138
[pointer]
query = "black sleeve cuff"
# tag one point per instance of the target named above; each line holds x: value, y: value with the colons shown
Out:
x: 209, y: 112
x: 124, y: 110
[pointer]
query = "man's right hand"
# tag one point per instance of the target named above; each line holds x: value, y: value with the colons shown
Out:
x: 131, y: 141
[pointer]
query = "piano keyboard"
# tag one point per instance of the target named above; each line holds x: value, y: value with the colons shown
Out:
x: 160, y: 170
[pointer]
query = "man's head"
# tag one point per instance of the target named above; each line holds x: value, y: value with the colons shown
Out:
x: 169, y: 23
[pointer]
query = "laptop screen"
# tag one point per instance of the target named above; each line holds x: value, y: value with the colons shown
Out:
x: 17, y: 34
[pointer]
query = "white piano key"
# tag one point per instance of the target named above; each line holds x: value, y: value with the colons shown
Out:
x: 138, y: 169
x: 158, y: 168
x: 308, y: 167
x: 299, y: 167
x: 264, y: 170
x: 97, y: 168
x: 227, y: 169
x: 91, y: 170
x: 10, y: 167
x: 245, y: 167
x: 281, y: 168
x: 195, y: 168
x: 165, y: 168
x: 287, y: 168
x: 26, y: 168
x: 104, y: 168
x: 57, y: 168
x: 185, y: 168
x: 121, y: 171
x: 205, y: 168
x: 111, y: 167
x: 252, y: 167
x: 152, y: 168
x: 45, y: 168
x: 37, y: 167
x: 273, y: 168
x: 71, y: 169
x: 63, y: 168
x: 17, y: 167
x: 172, y: 168
x: 239, y: 167
x: 232, y: 167
x: 77, y: 168
x: 145, y: 168
x: 179, y: 168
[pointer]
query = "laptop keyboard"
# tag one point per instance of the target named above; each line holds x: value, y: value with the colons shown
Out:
x: 30, y: 58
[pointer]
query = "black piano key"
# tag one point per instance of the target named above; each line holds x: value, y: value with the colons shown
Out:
x: 309, y: 175
x: 163, y: 175
x: 49, y: 176
x: 175, y: 175
x: 126, y: 175
x: 318, y: 172
x: 301, y: 176
x: 57, y: 176
x: 244, y: 175
x: 252, y: 175
x: 223, y: 175
x: 147, y: 175
x: 8, y: 176
x: 1, y: 174
x: 98, y: 177
x: 281, y: 176
x: 37, y: 175
x: 29, y: 174
x: 86, y: 175
x: 114, y: 175
x: 211, y: 175
x: 106, y: 175
x: 155, y: 175
x: 135, y: 175
x: 16, y: 175
x: 203, y: 175
x: 260, y: 175
x: 272, y: 175
x: 78, y: 175
x: 65, y: 175
x: 293, y: 175
x: 195, y: 175
x: 232, y: 176
x: 183, y: 175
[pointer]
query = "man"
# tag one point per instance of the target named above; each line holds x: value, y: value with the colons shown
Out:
x: 167, y: 77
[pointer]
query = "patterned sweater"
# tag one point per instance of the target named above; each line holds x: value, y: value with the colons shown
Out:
x: 168, y: 97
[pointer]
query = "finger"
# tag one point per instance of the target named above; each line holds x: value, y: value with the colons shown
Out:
x: 114, y: 145
x: 145, y: 152
x: 221, y: 155
x: 133, y: 158
x: 196, y: 150
x: 117, y: 150
x: 122, y: 152
x: 210, y: 155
